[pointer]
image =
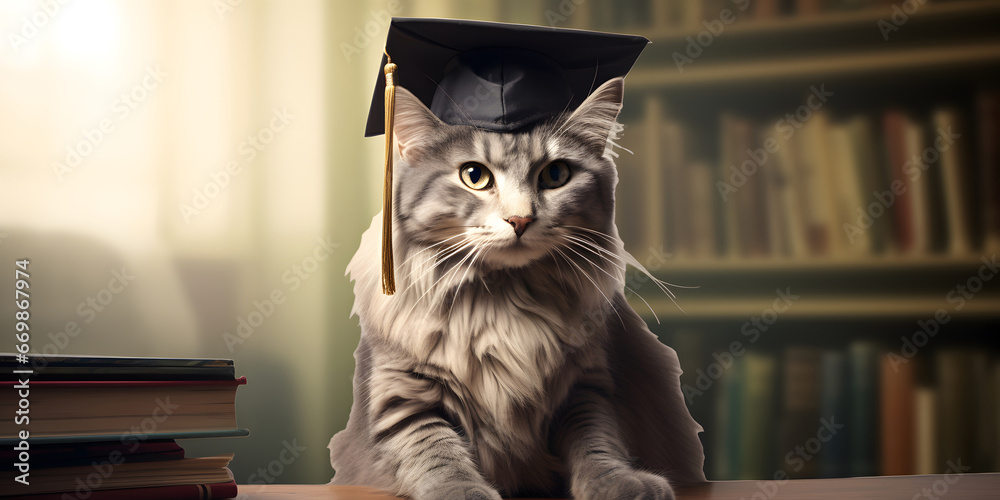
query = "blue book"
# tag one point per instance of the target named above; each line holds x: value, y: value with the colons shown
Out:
x: 835, y: 406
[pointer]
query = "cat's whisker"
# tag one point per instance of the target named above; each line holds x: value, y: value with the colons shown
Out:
x: 429, y: 247
x: 476, y: 252
x: 438, y: 253
x: 593, y: 283
x: 631, y: 260
x: 461, y: 247
x: 612, y: 239
x: 659, y: 283
x: 655, y: 316
x: 617, y: 280
x: 598, y: 251
x: 443, y: 276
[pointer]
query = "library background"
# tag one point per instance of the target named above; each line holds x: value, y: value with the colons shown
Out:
x: 825, y: 172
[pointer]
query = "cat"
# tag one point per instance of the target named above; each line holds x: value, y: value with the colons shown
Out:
x: 509, y: 361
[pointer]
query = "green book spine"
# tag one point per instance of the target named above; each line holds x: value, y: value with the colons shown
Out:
x: 863, y: 423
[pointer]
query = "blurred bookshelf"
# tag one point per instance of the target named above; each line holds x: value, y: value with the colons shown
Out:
x: 892, y: 324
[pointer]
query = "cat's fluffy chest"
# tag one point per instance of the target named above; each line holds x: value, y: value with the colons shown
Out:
x: 507, y: 346
x: 503, y: 341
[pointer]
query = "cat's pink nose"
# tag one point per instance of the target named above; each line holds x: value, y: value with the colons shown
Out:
x: 519, y: 223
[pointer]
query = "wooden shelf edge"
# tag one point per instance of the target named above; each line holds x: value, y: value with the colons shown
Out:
x: 815, y: 307
x: 887, y: 263
x: 831, y: 20
x: 837, y: 65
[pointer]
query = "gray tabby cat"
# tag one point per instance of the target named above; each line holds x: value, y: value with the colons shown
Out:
x: 508, y: 361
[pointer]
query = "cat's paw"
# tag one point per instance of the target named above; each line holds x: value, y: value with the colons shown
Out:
x: 625, y: 484
x: 460, y: 491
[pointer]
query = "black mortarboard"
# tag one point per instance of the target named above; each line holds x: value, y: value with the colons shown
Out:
x: 494, y: 76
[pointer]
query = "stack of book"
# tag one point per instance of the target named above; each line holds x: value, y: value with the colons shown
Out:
x: 104, y: 427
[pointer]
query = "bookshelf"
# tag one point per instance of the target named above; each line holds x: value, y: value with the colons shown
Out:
x: 828, y: 353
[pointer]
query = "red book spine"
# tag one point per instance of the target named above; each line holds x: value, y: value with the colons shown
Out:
x: 898, y: 421
x: 895, y: 138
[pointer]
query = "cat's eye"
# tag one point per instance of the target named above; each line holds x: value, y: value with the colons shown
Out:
x: 554, y: 175
x: 476, y: 175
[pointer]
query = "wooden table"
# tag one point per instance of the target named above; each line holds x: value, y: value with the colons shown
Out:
x: 944, y: 487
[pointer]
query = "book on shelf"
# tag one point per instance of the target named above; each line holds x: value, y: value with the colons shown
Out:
x: 956, y: 425
x: 868, y: 163
x: 897, y: 407
x: 728, y: 407
x: 863, y: 421
x: 701, y: 193
x: 988, y: 123
x: 984, y: 393
x: 757, y: 404
x: 118, y: 415
x: 672, y: 187
x: 834, y: 401
x: 956, y: 181
x: 800, y: 416
x: 925, y: 430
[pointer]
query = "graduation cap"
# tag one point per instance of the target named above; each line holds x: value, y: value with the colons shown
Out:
x: 495, y: 76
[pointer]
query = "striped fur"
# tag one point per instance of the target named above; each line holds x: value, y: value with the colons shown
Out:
x: 497, y: 366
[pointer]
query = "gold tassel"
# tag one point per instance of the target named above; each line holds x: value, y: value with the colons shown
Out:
x: 388, y: 274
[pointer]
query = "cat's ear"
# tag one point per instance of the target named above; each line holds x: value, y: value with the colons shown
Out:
x: 415, y: 126
x: 596, y: 117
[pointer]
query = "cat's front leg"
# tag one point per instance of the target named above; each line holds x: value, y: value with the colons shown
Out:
x: 416, y: 445
x: 430, y: 462
x: 596, y: 458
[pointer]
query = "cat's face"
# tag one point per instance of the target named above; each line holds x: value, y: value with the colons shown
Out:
x: 505, y: 200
